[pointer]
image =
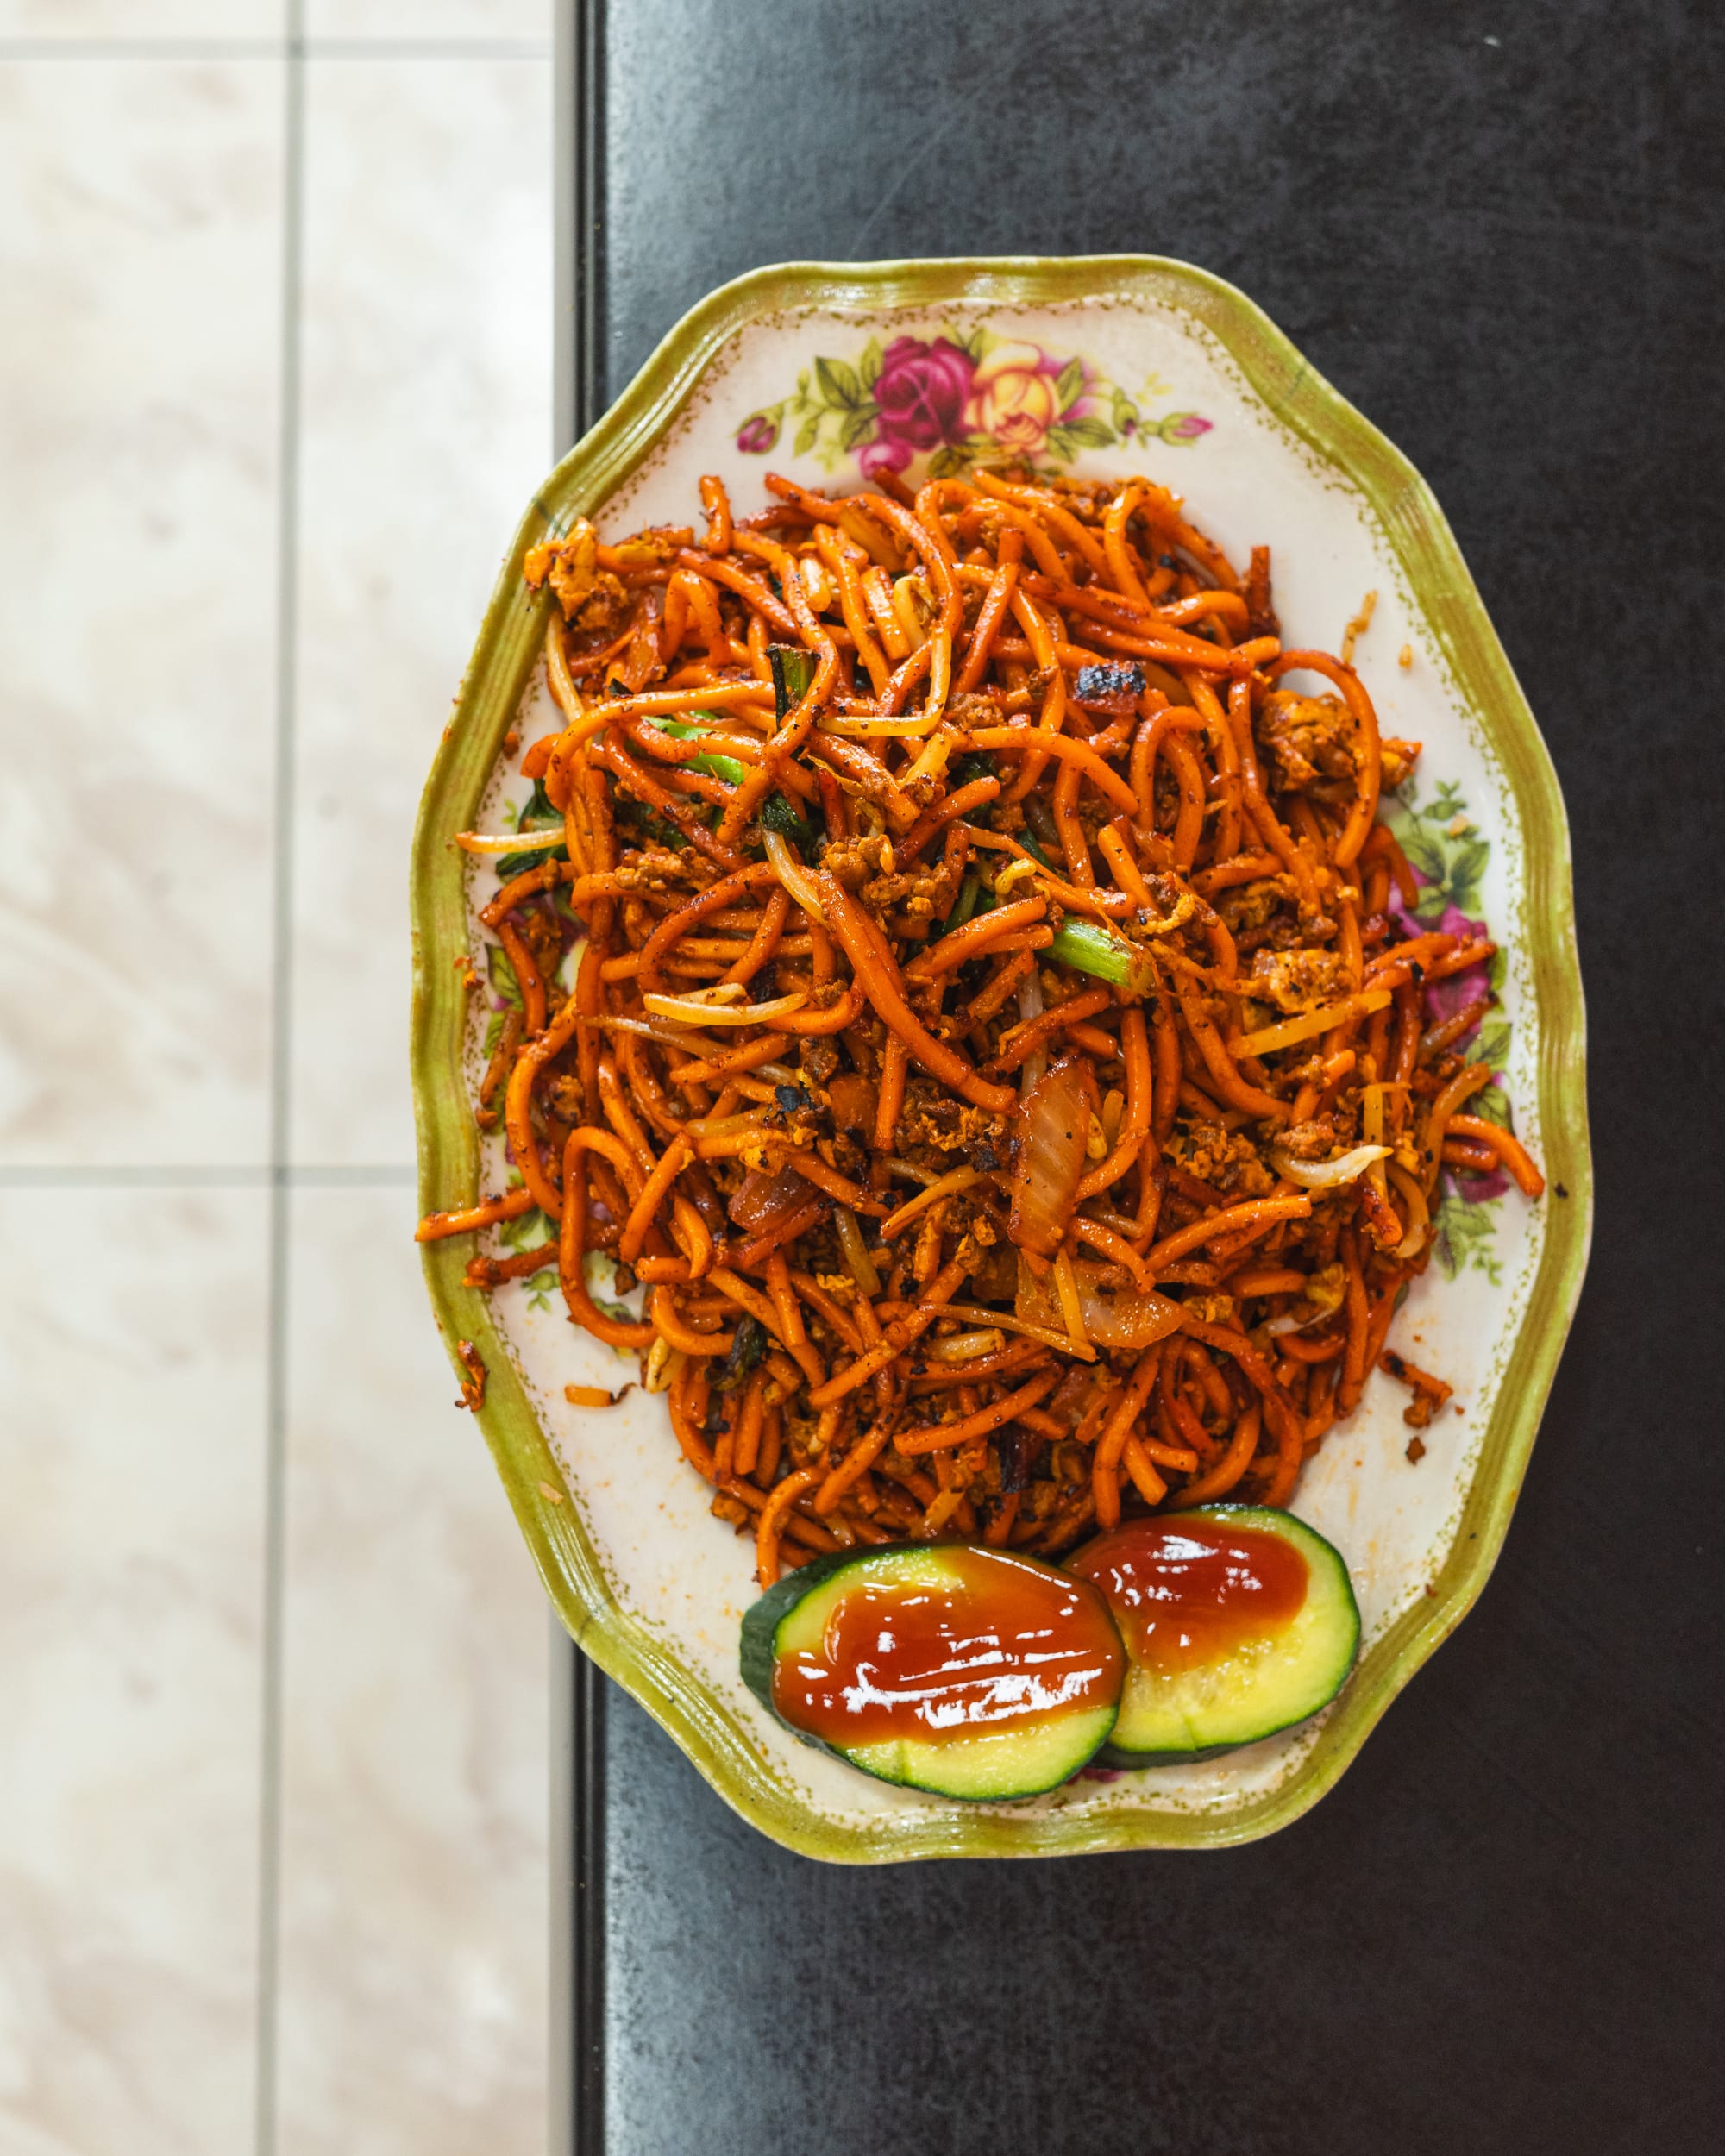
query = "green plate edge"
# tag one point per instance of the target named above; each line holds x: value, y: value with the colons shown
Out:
x: 717, y: 1740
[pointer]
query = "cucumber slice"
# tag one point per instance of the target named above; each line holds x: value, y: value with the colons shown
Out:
x: 1238, y: 1622
x: 962, y: 1670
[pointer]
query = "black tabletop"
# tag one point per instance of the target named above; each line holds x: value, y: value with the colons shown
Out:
x: 1497, y: 230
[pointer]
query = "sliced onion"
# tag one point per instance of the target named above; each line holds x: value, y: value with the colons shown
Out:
x: 909, y: 1169
x: 965, y: 1347
x: 1134, y: 1319
x: 1328, y: 1175
x: 980, y: 1313
x: 1419, y: 1212
x: 688, y: 1011
x: 726, y: 992
x: 791, y: 874
x: 763, y: 1197
x: 1327, y: 1295
x: 1031, y: 1006
x: 1054, y: 1130
x: 673, y: 1036
x: 511, y: 841
x: 954, y: 1179
x: 1071, y: 1300
x: 856, y: 1252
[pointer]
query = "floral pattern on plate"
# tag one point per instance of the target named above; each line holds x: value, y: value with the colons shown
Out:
x: 1448, y: 854
x: 952, y: 399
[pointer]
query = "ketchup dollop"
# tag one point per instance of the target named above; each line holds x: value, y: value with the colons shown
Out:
x: 997, y: 1644
x: 1189, y: 1591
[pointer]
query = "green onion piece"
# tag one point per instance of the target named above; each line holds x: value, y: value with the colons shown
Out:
x: 748, y: 1348
x: 778, y: 815
x: 963, y: 907
x: 1095, y: 950
x: 792, y: 671
x: 538, y: 815
x: 726, y: 768
x: 717, y: 766
x: 508, y: 865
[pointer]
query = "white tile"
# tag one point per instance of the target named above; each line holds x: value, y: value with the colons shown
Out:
x: 412, y: 1980
x: 415, y: 20
x: 93, y: 21
x: 140, y: 258
x: 131, y: 1551
x: 426, y: 417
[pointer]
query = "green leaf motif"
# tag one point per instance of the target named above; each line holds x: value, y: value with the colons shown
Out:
x: 1088, y: 433
x: 838, y: 382
x: 869, y: 367
x: 1126, y: 412
x: 1070, y: 386
x: 1466, y: 868
x: 1423, y: 852
x: 945, y: 462
x: 599, y: 1273
x: 1464, y: 1232
x: 493, y: 1034
x: 805, y: 434
x: 857, y: 426
x: 524, y: 1231
x: 1490, y: 1045
x: 1491, y: 1104
x: 1060, y: 442
x: 501, y: 975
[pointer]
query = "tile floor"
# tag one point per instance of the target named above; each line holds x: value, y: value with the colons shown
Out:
x: 272, y: 1663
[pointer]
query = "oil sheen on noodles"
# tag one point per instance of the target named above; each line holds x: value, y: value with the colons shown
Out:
x: 958, y: 972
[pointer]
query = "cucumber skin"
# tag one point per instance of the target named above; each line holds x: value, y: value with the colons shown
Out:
x: 760, y: 1622
x: 1110, y: 1755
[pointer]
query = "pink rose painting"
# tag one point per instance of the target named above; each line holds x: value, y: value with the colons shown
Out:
x: 955, y: 399
x: 920, y: 393
x: 1448, y: 857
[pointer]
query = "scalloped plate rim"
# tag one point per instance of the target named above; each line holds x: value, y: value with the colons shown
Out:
x: 1416, y: 531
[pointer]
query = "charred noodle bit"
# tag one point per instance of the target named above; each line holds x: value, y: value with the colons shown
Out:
x: 993, y: 1056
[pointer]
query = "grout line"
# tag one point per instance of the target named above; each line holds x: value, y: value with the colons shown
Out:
x: 182, y: 49
x: 280, y: 1221
x: 427, y: 48
x: 167, y: 48
x: 312, y: 1176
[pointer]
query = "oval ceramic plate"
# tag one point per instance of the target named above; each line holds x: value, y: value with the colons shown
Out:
x: 1111, y: 365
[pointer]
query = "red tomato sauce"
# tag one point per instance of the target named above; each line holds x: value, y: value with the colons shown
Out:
x: 1189, y: 1591
x: 997, y: 1646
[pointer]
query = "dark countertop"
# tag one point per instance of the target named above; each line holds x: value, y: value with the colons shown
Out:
x: 1497, y: 230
